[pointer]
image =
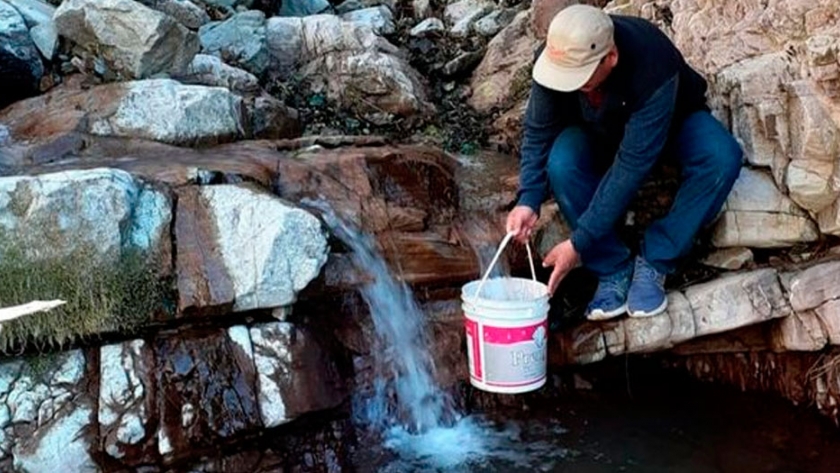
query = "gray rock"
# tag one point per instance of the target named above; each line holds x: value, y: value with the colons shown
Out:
x: 494, y: 22
x: 729, y: 258
x: 799, y: 332
x: 379, y: 19
x: 426, y: 27
x: 211, y: 71
x: 186, y: 12
x: 35, y: 12
x: 829, y: 315
x: 239, y: 41
x: 758, y: 214
x: 297, y: 8
x: 349, y: 5
x: 462, y: 14
x: 45, y: 38
x: 167, y: 111
x: 105, y: 209
x: 271, y: 119
x: 463, y: 64
x: 271, y: 250
x: 736, y: 301
x: 814, y: 286
x: 421, y: 8
x: 21, y: 68
x: 133, y: 40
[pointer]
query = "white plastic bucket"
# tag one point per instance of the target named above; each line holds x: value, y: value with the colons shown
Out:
x: 506, y: 322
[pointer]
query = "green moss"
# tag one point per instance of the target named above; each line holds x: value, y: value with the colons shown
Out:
x: 116, y: 297
x: 520, y: 84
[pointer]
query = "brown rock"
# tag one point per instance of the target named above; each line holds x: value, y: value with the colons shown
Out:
x: 206, y: 390
x: 204, y: 287
x: 543, y: 11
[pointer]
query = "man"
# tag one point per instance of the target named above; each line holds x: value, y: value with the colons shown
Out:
x: 610, y: 95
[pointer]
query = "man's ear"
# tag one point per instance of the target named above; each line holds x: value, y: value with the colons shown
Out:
x: 612, y: 56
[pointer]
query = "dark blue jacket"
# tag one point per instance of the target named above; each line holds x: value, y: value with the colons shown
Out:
x: 649, y: 92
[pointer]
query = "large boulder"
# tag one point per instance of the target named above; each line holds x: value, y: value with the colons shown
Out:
x: 155, y: 109
x: 350, y: 64
x: 39, y: 18
x: 134, y: 40
x: 52, y: 215
x: 239, y: 41
x: 20, y: 63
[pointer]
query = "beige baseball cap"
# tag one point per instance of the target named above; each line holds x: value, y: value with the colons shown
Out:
x: 578, y: 37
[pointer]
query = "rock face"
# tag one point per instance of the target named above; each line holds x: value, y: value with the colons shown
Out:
x: 134, y: 40
x: 20, y: 64
x: 239, y: 41
x: 100, y: 209
x: 155, y: 109
x: 348, y: 63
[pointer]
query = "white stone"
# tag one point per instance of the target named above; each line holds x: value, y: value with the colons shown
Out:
x: 427, y: 26
x: 829, y: 219
x: 188, y: 13
x: 211, y: 71
x: 421, y: 8
x: 379, y: 19
x: 165, y: 110
x: 239, y: 334
x: 491, y: 24
x: 133, y: 39
x: 737, y: 300
x: 99, y: 208
x: 271, y: 250
x: 458, y: 11
x: 757, y: 214
x: 187, y: 415
x: 61, y: 448
x: 239, y: 40
x: 814, y: 134
x: 38, y: 15
x: 273, y: 359
x: 464, y: 26
x: 45, y: 38
x: 814, y: 286
x: 17, y: 43
x: 120, y: 386
x: 682, y: 318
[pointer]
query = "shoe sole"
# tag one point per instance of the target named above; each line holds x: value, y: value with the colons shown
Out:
x: 599, y: 315
x: 640, y: 314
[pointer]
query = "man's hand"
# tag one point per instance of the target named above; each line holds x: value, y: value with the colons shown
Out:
x: 564, y: 258
x: 521, y: 220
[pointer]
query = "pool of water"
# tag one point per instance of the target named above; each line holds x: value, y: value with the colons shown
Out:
x: 656, y: 424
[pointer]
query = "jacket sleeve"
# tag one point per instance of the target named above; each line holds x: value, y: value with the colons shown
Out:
x: 645, y: 136
x: 544, y: 120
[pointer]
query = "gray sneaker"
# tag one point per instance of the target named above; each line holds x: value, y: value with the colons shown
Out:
x: 646, y: 297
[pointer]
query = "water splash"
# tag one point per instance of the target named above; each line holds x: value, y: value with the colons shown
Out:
x: 405, y: 392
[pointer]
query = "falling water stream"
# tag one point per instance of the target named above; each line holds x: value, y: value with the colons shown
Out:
x: 417, y: 427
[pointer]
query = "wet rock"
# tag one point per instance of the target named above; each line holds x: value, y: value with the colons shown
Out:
x: 133, y: 40
x: 298, y: 8
x: 126, y: 402
x: 757, y: 214
x: 99, y: 209
x: 814, y: 286
x: 729, y: 258
x: 461, y: 15
x: 20, y: 64
x: 737, y: 300
x: 204, y: 286
x: 504, y: 75
x: 296, y: 375
x: 186, y: 12
x: 271, y: 251
x: 801, y: 331
x: 211, y: 71
x: 494, y: 22
x: 155, y: 109
x: 379, y: 19
x: 47, y: 413
x: 238, y: 41
x: 205, y: 391
x: 427, y: 27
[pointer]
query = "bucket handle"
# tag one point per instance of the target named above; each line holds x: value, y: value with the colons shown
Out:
x: 502, y: 246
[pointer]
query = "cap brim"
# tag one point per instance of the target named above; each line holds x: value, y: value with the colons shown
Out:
x: 563, y: 79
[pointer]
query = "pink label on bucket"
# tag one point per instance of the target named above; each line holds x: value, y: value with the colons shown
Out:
x: 510, y: 335
x: 474, y: 347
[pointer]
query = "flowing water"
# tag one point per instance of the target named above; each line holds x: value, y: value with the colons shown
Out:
x: 409, y: 424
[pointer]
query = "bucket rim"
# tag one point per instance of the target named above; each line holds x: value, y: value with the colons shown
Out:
x: 468, y: 295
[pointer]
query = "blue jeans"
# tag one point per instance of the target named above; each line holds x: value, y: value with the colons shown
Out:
x: 710, y: 161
